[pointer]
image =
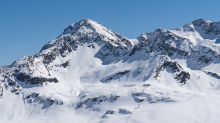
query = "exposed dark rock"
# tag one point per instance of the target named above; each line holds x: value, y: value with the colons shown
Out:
x: 204, y: 59
x: 49, y: 57
x: 1, y: 91
x: 182, y: 77
x: 165, y: 42
x: 174, y: 66
x: 34, y: 80
x: 37, y: 99
x: 67, y: 63
x: 215, y: 75
x: 114, y: 76
x: 151, y: 98
x: 127, y: 42
x: 165, y: 64
x: 124, y: 111
x: 113, y: 98
x: 3, y: 68
x: 146, y: 85
x: 142, y: 46
x: 15, y: 87
x: 109, y: 51
x: 96, y: 100
x: 63, y: 49
x: 107, y: 112
x: 203, y: 24
x: 137, y: 96
x: 208, y: 27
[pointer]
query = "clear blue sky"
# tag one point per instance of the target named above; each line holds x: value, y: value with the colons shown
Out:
x: 26, y: 25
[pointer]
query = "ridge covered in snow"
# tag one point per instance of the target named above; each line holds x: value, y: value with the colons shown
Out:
x: 92, y: 74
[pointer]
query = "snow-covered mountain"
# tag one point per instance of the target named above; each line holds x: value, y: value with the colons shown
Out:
x: 92, y: 74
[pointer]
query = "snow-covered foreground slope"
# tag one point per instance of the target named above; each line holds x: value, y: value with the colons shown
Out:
x: 91, y: 74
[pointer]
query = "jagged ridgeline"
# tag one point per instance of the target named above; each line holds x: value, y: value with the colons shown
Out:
x: 92, y: 74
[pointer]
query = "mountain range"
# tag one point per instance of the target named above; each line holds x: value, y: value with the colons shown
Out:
x: 91, y: 74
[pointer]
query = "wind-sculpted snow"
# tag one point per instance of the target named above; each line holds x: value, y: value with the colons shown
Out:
x: 92, y: 74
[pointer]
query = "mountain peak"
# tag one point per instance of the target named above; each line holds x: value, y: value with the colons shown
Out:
x: 207, y: 26
x: 85, y: 20
x: 159, y: 30
x: 200, y: 22
x: 88, y: 30
x: 74, y: 26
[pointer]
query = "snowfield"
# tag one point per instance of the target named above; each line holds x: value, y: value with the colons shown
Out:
x: 91, y: 74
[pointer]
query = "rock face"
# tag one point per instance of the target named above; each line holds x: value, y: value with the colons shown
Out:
x: 151, y: 98
x: 107, y: 112
x: 124, y: 111
x: 170, y: 65
x: 96, y: 100
x: 1, y: 91
x: 114, y: 76
x: 34, y: 80
x: 36, y: 99
x: 92, y: 74
x: 208, y: 27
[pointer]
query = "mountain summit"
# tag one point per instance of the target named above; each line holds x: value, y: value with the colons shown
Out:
x: 90, y: 31
x: 92, y: 74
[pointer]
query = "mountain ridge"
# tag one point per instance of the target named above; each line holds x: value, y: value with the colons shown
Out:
x: 92, y: 74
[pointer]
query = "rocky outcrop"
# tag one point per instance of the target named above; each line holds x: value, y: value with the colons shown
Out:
x: 61, y: 48
x: 165, y: 42
x: 36, y: 99
x: 215, y: 75
x: 1, y: 91
x: 64, y: 65
x: 34, y: 80
x: 183, y: 76
x: 171, y: 65
x: 142, y: 46
x: 88, y: 103
x: 2, y: 68
x: 124, y: 111
x: 207, y: 27
x: 151, y: 98
x: 108, y: 112
x: 114, y: 76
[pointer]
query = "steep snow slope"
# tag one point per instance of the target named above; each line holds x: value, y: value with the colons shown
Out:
x: 93, y: 74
